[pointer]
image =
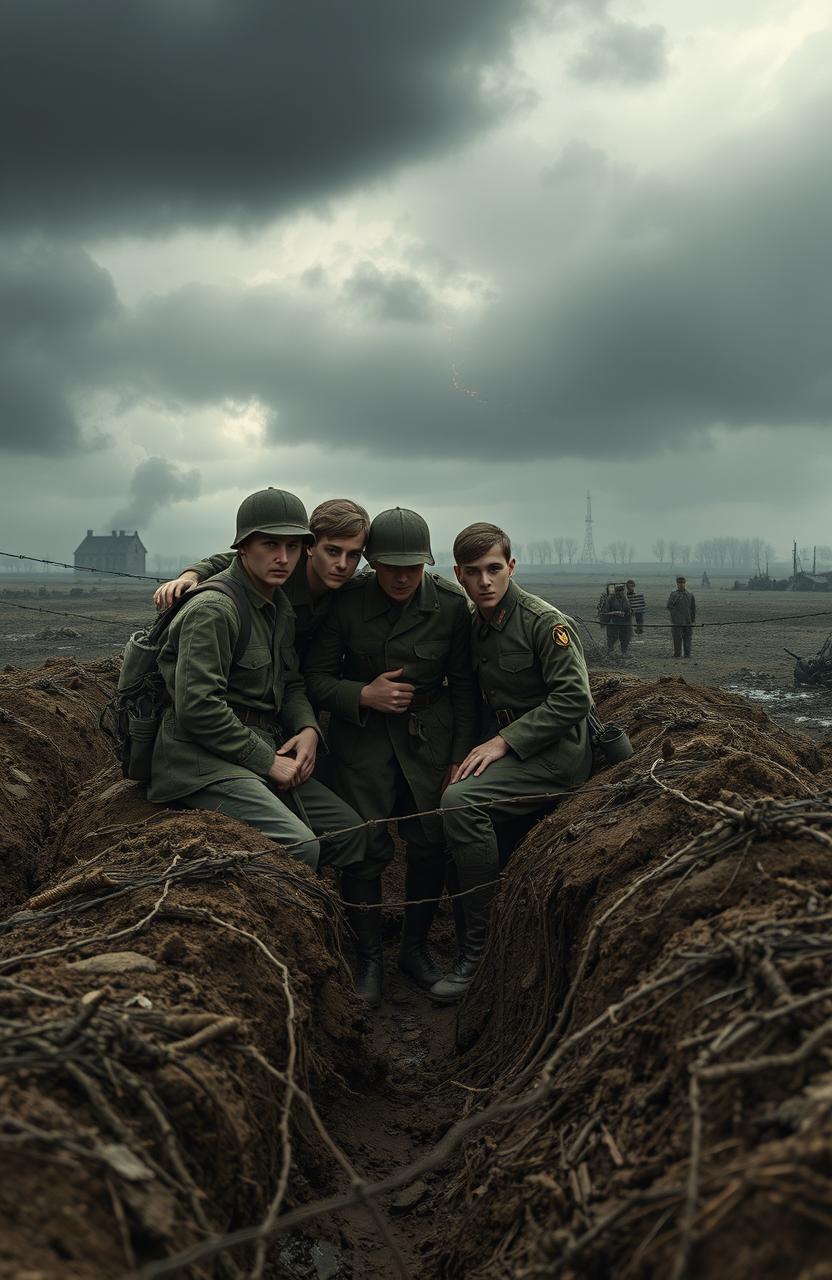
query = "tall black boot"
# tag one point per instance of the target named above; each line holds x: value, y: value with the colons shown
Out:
x: 366, y: 928
x: 415, y: 956
x: 477, y: 908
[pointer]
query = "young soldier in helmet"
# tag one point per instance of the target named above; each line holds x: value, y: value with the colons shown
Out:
x: 339, y: 530
x: 392, y: 664
x: 219, y: 743
x: 535, y: 686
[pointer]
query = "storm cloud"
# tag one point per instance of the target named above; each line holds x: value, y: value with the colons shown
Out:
x: 55, y: 306
x: 623, y: 53
x: 148, y: 114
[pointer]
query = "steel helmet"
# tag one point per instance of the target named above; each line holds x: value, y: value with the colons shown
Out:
x: 272, y: 511
x: 399, y: 537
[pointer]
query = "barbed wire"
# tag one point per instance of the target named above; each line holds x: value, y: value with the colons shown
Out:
x: 81, y: 568
x: 698, y: 626
x: 62, y: 613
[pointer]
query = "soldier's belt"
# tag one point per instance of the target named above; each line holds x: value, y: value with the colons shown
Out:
x: 504, y: 717
x: 254, y: 718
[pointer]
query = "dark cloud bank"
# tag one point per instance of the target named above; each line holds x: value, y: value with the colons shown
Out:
x: 146, y: 114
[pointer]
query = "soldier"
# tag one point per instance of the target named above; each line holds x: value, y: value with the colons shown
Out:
x: 638, y: 604
x: 681, y: 604
x: 392, y: 663
x: 535, y: 686
x: 339, y: 527
x: 615, y: 615
x: 219, y: 742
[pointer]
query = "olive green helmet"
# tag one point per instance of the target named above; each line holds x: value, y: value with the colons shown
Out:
x: 272, y: 511
x: 399, y: 537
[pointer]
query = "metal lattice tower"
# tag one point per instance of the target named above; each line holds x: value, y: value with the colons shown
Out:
x: 588, y: 555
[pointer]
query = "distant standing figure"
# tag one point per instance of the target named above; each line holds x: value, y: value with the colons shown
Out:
x: 616, y: 616
x: 681, y: 605
x: 638, y: 604
x: 706, y: 582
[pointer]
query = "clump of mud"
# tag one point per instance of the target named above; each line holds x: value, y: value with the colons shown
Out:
x: 49, y: 743
x: 654, y: 1016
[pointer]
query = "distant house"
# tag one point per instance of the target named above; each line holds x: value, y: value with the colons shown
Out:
x: 116, y: 552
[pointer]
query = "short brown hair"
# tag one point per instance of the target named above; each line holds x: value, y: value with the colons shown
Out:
x: 478, y: 539
x: 339, y: 518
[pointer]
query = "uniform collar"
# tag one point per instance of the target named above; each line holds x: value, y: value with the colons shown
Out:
x: 505, y: 608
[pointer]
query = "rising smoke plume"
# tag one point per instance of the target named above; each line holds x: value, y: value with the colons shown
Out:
x: 156, y: 483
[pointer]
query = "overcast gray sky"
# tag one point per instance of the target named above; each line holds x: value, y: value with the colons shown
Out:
x: 470, y: 256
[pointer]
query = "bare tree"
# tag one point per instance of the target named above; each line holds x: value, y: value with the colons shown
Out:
x: 610, y: 552
x: 631, y: 553
x: 659, y: 548
x: 570, y: 546
x: 558, y: 544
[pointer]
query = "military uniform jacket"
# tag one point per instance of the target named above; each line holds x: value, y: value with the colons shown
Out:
x: 534, y: 680
x: 615, y: 610
x: 201, y: 740
x: 309, y: 613
x: 364, y: 635
x: 682, y: 607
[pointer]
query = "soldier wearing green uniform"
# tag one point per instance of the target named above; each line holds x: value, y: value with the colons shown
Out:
x: 392, y: 664
x: 339, y: 527
x: 535, y: 685
x: 681, y: 604
x: 240, y: 735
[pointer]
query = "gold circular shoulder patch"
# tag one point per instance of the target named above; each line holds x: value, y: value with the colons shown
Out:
x: 560, y: 635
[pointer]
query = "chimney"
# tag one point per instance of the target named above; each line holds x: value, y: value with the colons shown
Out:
x: 89, y: 533
x: 121, y: 533
x: 113, y: 533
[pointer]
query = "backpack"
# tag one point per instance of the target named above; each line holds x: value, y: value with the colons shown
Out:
x: 132, y: 717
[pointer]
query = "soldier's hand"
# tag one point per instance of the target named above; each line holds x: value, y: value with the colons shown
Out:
x: 164, y: 596
x: 284, y: 772
x: 386, y: 694
x: 478, y: 760
x: 304, y: 748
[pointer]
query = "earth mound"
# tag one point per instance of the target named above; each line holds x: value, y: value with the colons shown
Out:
x: 652, y: 1026
x: 49, y: 743
x: 172, y: 995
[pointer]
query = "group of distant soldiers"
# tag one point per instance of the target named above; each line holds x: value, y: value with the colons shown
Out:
x: 621, y: 611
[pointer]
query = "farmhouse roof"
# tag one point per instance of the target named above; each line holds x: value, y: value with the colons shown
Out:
x: 118, y: 540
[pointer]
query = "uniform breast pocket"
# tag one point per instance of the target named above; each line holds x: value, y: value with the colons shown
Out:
x: 428, y: 659
x: 517, y: 672
x: 516, y: 661
x: 251, y: 674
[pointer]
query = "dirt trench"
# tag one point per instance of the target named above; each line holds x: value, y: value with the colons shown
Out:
x: 681, y: 894
x: 179, y: 1039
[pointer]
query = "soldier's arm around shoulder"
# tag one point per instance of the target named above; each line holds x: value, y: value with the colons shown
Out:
x: 567, y: 700
x: 212, y: 564
x: 204, y: 634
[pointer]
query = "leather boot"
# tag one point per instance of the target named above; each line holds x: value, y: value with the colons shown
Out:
x: 366, y: 929
x: 415, y: 956
x: 454, y: 984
